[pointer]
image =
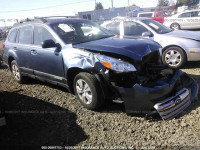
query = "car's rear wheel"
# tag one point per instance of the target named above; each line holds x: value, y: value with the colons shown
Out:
x: 88, y: 91
x: 175, y: 26
x: 175, y: 57
x: 16, y: 71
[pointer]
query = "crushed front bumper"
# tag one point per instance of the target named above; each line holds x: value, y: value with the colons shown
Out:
x: 169, y: 99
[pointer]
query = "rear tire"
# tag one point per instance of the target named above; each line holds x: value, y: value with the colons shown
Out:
x: 88, y: 91
x: 16, y: 72
x: 175, y: 57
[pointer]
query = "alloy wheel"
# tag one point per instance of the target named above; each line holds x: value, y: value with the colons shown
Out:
x: 15, y: 72
x: 84, y: 91
x: 173, y: 58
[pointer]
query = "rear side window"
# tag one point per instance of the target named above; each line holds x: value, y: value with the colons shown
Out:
x: 133, y: 28
x: 25, y: 36
x: 12, y: 36
x: 41, y: 34
x: 114, y: 27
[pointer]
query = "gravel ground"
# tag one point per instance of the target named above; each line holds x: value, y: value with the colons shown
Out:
x: 39, y: 114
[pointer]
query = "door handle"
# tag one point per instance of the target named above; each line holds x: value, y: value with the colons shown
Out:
x: 33, y: 52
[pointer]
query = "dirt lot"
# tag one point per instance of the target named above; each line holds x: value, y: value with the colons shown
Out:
x: 39, y: 114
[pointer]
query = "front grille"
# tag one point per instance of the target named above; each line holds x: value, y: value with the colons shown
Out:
x: 172, y: 106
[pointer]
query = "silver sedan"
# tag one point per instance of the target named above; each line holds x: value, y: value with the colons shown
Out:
x: 186, y: 20
x: 178, y: 46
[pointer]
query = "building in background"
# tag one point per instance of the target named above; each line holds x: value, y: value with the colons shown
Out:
x: 107, y: 14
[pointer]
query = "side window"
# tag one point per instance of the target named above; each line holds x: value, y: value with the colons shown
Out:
x: 25, y: 35
x: 114, y: 27
x: 160, y: 15
x: 195, y: 14
x: 185, y: 15
x: 12, y: 36
x: 134, y: 29
x: 41, y: 34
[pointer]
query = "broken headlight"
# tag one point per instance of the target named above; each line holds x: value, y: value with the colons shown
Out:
x: 115, y: 64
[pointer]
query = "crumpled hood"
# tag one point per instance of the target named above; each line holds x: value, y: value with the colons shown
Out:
x: 185, y: 34
x: 133, y: 48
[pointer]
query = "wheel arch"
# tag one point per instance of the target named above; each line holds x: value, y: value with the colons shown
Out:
x: 168, y: 46
x: 10, y: 59
x: 175, y: 23
x: 71, y: 73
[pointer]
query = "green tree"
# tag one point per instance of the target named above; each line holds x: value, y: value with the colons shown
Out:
x: 162, y: 3
x: 98, y: 6
x: 187, y: 3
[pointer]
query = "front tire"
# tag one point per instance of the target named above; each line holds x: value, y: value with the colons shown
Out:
x: 88, y: 91
x: 16, y: 72
x: 175, y: 26
x: 175, y: 57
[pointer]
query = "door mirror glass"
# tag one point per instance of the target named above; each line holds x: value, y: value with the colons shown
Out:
x: 48, y: 44
x: 147, y: 34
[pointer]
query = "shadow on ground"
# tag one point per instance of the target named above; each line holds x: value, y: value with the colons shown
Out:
x: 33, y: 123
x: 191, y: 65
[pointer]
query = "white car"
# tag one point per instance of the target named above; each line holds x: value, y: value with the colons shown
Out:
x: 178, y: 46
x: 186, y: 20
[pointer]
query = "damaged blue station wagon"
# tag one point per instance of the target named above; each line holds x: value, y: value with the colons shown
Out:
x: 96, y: 65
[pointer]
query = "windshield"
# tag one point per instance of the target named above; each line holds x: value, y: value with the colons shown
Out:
x: 156, y: 26
x: 80, y: 31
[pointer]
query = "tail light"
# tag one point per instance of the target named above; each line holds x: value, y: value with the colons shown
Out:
x: 3, y: 45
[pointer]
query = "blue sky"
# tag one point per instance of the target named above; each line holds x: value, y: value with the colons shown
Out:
x: 18, y: 8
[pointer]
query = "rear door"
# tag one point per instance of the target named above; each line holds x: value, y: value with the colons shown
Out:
x: 47, y: 62
x: 23, y: 48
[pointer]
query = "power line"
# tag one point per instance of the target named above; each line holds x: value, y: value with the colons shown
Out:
x: 45, y: 7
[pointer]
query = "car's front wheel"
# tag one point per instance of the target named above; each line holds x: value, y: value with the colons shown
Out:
x: 88, y: 91
x: 16, y: 71
x: 175, y: 26
x: 175, y: 57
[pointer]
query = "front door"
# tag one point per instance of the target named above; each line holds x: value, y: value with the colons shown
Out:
x: 47, y: 62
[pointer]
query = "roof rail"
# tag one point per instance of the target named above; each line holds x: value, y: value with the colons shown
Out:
x: 49, y: 17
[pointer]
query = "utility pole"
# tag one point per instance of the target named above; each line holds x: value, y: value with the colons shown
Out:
x: 128, y: 5
x: 112, y: 3
x: 95, y: 4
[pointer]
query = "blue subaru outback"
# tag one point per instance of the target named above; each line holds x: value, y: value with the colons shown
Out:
x: 96, y: 65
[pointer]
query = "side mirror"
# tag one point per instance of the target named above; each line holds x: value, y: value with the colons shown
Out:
x: 48, y: 44
x: 147, y: 34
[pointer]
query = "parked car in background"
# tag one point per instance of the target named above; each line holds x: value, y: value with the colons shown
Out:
x: 95, y: 65
x: 157, y: 15
x: 178, y: 46
x: 189, y: 19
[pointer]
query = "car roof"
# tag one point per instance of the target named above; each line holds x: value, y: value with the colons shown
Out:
x: 48, y: 21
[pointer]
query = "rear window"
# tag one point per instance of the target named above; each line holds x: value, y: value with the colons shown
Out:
x: 25, y: 36
x: 12, y: 36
